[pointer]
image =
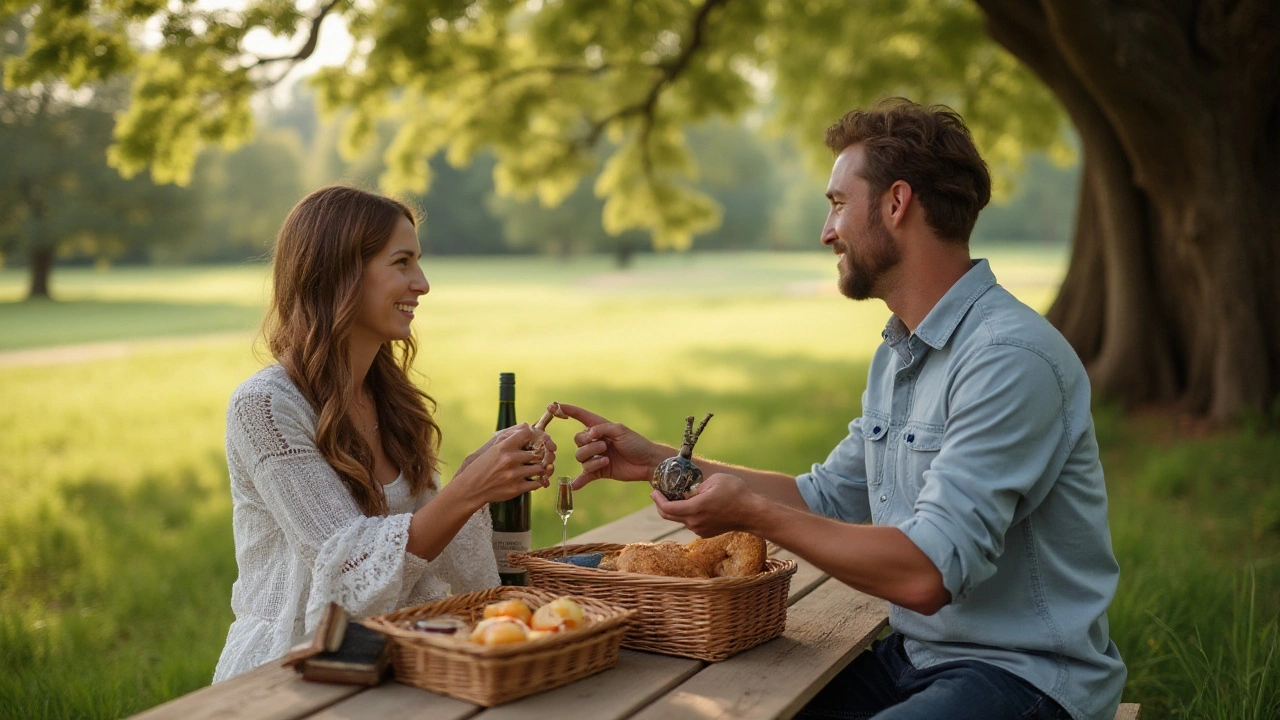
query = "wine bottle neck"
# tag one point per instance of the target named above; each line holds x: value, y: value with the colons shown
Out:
x: 506, y: 414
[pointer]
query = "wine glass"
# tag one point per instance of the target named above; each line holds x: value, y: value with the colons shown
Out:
x: 564, y: 508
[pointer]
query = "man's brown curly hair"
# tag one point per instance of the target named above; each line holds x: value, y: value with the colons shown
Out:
x: 929, y: 148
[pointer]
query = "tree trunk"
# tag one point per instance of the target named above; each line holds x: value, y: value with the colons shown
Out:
x: 622, y: 254
x: 1173, y: 289
x: 41, y: 268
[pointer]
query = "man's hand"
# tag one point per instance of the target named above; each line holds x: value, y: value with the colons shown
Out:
x: 611, y: 450
x: 723, y: 504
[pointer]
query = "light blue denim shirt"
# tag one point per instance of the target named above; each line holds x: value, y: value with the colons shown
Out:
x: 976, y: 440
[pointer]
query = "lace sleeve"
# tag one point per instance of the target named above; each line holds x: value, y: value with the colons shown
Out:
x: 466, y: 564
x: 358, y: 561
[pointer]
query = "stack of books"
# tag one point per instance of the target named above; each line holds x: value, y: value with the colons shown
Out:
x: 341, y: 651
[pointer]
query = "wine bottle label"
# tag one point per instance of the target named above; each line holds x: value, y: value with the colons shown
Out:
x: 509, y: 542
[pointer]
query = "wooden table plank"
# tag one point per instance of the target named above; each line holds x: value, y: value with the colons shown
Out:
x: 636, y: 681
x: 807, y: 577
x: 1128, y: 711
x: 644, y: 525
x: 825, y: 630
x: 394, y: 701
x: 270, y: 692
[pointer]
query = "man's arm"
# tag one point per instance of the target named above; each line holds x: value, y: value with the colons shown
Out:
x: 878, y: 560
x: 612, y: 450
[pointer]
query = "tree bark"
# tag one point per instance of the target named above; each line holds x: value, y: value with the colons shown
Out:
x: 41, y: 268
x: 622, y: 254
x: 1172, y: 291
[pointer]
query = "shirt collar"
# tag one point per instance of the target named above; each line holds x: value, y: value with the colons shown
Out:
x: 936, y: 328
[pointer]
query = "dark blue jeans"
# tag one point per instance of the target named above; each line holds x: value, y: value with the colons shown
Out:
x: 883, y: 684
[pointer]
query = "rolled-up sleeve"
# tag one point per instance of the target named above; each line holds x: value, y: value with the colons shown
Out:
x: 1005, y: 441
x: 837, y: 488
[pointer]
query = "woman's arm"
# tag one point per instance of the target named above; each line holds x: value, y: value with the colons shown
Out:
x: 500, y: 470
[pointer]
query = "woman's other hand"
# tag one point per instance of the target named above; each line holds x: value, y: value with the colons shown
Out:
x: 612, y: 450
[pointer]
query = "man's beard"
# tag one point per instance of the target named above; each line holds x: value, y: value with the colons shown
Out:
x: 877, y: 255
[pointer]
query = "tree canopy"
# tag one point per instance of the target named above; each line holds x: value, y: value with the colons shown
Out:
x: 541, y: 83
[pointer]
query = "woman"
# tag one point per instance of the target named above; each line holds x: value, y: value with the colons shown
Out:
x: 332, y: 451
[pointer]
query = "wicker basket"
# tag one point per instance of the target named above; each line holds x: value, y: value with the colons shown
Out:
x: 491, y: 675
x: 703, y: 619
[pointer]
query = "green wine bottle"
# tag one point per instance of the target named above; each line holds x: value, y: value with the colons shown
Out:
x: 511, y: 527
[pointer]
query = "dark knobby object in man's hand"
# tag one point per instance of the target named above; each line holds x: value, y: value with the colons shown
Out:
x: 677, y: 478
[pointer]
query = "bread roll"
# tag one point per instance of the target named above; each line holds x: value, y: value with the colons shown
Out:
x: 500, y: 631
x: 513, y: 608
x: 732, y: 554
x: 666, y: 558
x: 559, y: 614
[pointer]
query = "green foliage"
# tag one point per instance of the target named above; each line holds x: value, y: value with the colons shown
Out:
x: 542, y: 83
x: 57, y: 193
x: 1235, y: 677
x: 738, y: 172
x: 244, y: 195
x: 1042, y: 207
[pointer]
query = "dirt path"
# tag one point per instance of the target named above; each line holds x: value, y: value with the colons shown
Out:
x: 113, y: 350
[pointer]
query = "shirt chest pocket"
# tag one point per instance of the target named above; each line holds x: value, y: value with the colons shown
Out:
x: 920, y: 445
x: 875, y: 430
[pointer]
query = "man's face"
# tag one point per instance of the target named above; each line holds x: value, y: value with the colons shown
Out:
x: 855, y: 230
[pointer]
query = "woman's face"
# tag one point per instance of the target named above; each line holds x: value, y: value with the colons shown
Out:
x: 390, y: 288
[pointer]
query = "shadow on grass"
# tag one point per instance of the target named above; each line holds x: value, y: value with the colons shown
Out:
x: 42, y: 323
x: 119, y: 597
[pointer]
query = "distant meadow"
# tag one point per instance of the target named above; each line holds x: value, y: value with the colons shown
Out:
x: 116, y: 556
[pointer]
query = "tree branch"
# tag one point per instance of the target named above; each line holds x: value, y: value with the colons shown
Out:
x: 670, y: 72
x: 309, y: 47
x: 559, y: 70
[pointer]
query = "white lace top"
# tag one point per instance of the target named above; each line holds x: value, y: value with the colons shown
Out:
x: 302, y: 541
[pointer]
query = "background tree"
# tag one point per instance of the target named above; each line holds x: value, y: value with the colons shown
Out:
x: 736, y: 172
x: 58, y: 196
x: 243, y: 195
x: 1171, y: 294
x: 1040, y: 207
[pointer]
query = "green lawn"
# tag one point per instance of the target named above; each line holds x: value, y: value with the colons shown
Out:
x: 115, y: 545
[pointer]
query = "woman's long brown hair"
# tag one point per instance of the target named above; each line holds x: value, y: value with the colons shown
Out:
x: 319, y: 259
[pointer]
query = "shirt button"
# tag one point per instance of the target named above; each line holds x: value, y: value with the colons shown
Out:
x: 876, y: 429
x: 883, y: 498
x: 911, y: 438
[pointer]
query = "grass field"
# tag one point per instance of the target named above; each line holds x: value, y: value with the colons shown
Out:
x: 115, y: 544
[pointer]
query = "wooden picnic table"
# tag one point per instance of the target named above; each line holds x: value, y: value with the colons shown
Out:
x: 828, y: 623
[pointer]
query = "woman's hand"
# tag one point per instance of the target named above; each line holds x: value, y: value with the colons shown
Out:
x: 611, y: 450
x: 497, y: 437
x: 502, y: 469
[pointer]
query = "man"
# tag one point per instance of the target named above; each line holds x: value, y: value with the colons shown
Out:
x: 974, y: 461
